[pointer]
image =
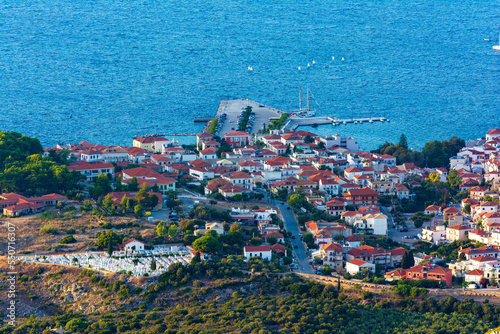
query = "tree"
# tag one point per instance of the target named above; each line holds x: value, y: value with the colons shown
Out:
x: 119, y: 184
x: 235, y: 228
x: 172, y: 231
x: 308, y: 139
x: 138, y: 210
x: 453, y: 180
x: 272, y: 240
x: 153, y: 264
x: 102, y: 186
x: 287, y: 260
x: 123, y: 204
x: 296, y: 201
x: 466, y: 209
x: 133, y: 185
x: 108, y: 204
x: 196, y: 258
x: 110, y: 247
x: 403, y: 142
x: 207, y: 244
x: 327, y: 270
x: 308, y: 238
x: 161, y: 229
x: 103, y: 239
x: 142, y: 196
x: 211, y: 233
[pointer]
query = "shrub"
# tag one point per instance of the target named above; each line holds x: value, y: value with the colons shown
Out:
x: 69, y: 239
x: 48, y: 229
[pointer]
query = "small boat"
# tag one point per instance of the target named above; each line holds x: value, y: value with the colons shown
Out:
x: 299, y: 68
x: 250, y: 68
x: 314, y: 62
x: 333, y: 58
x: 326, y: 66
x: 371, y: 120
x: 342, y: 58
x: 497, y: 47
x: 345, y: 122
x: 308, y: 65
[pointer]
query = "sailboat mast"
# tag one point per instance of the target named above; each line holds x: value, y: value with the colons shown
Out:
x: 308, y: 99
x: 300, y: 98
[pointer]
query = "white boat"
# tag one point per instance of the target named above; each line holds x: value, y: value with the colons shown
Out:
x: 307, y: 112
x: 497, y: 47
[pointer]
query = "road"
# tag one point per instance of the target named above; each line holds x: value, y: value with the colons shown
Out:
x: 292, y: 226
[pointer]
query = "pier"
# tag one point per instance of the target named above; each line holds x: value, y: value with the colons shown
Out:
x: 294, y: 122
x: 202, y: 120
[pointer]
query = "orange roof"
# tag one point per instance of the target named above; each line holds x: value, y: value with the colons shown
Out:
x: 357, y: 262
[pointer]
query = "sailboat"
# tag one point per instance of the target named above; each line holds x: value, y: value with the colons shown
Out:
x: 307, y: 112
x: 497, y: 47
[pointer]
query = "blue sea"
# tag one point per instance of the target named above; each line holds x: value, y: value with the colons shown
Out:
x: 106, y: 70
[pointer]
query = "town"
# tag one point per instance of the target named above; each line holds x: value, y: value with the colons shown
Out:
x: 318, y: 205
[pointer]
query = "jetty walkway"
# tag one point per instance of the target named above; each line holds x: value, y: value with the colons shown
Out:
x: 294, y: 122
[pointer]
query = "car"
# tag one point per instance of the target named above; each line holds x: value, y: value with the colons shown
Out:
x: 288, y: 208
x: 293, y: 237
x: 295, y: 246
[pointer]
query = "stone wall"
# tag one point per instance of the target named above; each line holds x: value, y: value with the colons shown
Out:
x: 460, y: 293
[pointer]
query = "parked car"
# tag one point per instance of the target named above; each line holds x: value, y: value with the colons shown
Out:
x: 295, y: 246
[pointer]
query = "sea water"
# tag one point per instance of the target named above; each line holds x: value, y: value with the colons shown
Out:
x: 106, y: 70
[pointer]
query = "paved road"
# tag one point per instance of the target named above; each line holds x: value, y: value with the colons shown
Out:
x: 292, y: 226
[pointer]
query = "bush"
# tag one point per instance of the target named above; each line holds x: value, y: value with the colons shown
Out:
x: 69, y: 239
x: 48, y: 229
x: 71, y: 231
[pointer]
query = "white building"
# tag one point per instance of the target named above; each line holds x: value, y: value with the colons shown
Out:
x: 337, y: 140
x: 133, y: 245
x: 355, y: 266
x: 263, y: 252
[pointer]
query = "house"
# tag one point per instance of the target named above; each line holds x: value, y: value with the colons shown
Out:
x: 92, y: 170
x: 241, y: 179
x: 401, y: 191
x: 475, y: 252
x: 432, y: 210
x: 474, y: 276
x: 201, y: 138
x: 363, y: 196
x: 492, y: 134
x: 332, y: 255
x: 208, y: 153
x: 279, y: 249
x: 114, y: 154
x: 395, y: 275
x: 15, y: 205
x: 217, y: 227
x: 132, y: 245
x: 264, y: 252
x: 214, y: 185
x: 353, y: 241
x: 448, y: 212
x: 436, y: 235
x: 457, y: 232
x: 355, y: 266
x: 237, y: 138
x: 397, y: 256
x: 335, y: 206
x: 477, y: 192
x: 280, y: 237
x: 231, y: 191
x: 375, y: 255
x: 429, y: 271
x: 151, y: 144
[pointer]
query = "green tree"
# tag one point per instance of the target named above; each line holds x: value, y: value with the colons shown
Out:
x: 123, y: 204
x: 153, y: 265
x: 110, y: 247
x: 453, y: 180
x: 207, y: 244
x: 296, y: 201
x: 161, y: 229
x: 308, y: 238
x: 172, y: 231
x: 403, y: 142
x: 108, y: 204
x: 272, y: 240
x: 327, y: 270
x: 119, y: 184
x: 138, y: 210
x: 133, y: 185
